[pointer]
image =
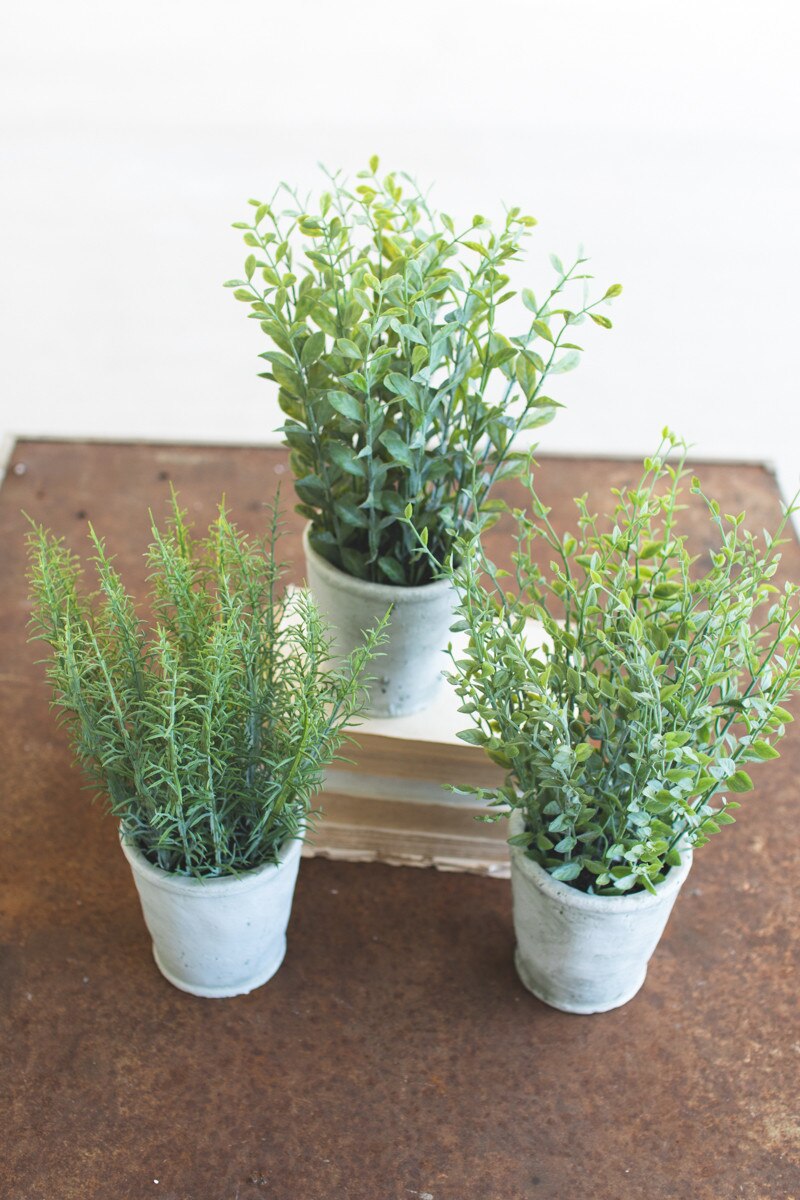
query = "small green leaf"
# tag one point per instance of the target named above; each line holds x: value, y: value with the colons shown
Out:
x: 345, y: 458
x: 354, y: 562
x: 568, y: 362
x: 396, y: 447
x: 525, y: 374
x: 311, y: 489
x: 402, y: 386
x: 475, y: 737
x: 349, y: 406
x: 392, y: 569
x: 313, y: 348
x: 347, y: 348
x: 351, y: 514
x: 566, y: 871
x: 412, y: 334
x: 740, y: 781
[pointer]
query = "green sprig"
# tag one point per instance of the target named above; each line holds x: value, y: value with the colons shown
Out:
x: 395, y: 378
x: 209, y: 731
x: 660, y: 678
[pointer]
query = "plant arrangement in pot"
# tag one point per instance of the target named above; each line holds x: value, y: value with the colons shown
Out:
x: 399, y: 387
x: 207, y: 731
x: 628, y: 732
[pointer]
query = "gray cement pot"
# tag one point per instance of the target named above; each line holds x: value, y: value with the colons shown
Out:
x: 408, y: 672
x: 217, y: 937
x: 581, y: 953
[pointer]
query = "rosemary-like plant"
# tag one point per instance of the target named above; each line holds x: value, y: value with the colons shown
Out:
x: 208, y: 730
x: 659, y: 680
x: 397, y: 382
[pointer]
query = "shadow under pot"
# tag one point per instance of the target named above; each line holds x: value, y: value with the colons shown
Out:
x: 221, y: 936
x: 407, y: 673
x: 582, y: 953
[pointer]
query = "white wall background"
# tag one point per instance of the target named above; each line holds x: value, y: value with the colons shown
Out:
x: 664, y: 136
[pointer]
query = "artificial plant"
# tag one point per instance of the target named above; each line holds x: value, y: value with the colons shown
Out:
x: 395, y: 376
x: 661, y: 677
x: 208, y: 728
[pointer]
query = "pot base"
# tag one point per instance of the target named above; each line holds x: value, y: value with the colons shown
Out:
x: 405, y: 676
x: 568, y: 1006
x: 241, y: 988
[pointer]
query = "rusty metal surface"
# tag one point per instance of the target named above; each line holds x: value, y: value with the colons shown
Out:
x: 394, y: 1055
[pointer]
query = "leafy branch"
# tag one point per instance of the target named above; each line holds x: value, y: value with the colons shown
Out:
x: 660, y: 679
x: 209, y: 730
x: 395, y: 380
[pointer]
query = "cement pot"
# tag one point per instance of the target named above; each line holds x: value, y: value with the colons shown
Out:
x: 582, y: 953
x: 217, y: 937
x: 407, y: 672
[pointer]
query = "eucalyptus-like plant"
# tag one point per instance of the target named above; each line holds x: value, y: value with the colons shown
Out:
x: 207, y: 730
x: 661, y: 677
x: 397, y: 383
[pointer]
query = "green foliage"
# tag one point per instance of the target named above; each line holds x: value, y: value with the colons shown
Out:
x: 661, y: 678
x: 397, y: 383
x: 209, y: 730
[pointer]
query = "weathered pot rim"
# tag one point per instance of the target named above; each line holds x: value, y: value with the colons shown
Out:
x: 386, y: 593
x: 562, y: 893
x: 219, y: 885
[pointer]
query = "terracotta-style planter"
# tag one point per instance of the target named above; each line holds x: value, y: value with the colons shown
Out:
x: 221, y: 936
x: 407, y: 673
x: 582, y: 953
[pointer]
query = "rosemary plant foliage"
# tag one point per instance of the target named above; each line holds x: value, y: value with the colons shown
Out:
x: 660, y: 680
x: 209, y: 729
x: 397, y: 382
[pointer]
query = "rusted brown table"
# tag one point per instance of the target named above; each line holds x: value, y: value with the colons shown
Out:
x: 394, y: 1055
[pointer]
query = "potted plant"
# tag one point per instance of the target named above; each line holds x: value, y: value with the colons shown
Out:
x: 207, y: 731
x: 398, y: 388
x: 627, y: 731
